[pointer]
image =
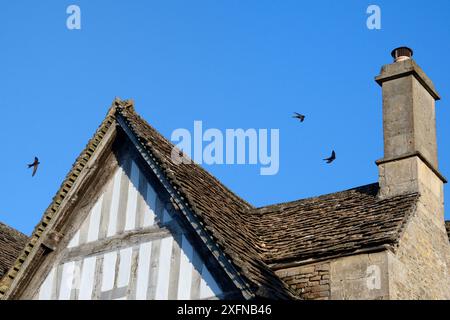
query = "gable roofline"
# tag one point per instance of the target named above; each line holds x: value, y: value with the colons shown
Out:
x: 36, y: 248
x: 266, y: 208
x: 153, y: 162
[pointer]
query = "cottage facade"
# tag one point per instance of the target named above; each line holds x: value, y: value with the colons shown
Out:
x: 129, y: 223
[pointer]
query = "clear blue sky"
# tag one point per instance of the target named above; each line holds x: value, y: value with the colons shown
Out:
x: 231, y: 64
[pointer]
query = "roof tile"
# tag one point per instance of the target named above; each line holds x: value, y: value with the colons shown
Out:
x: 11, y: 243
x: 329, y: 225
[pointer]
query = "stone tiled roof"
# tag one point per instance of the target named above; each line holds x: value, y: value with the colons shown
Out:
x: 447, y: 226
x: 11, y: 243
x: 330, y: 225
x: 252, y: 238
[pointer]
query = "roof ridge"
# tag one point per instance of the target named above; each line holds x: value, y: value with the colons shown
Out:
x: 367, y: 186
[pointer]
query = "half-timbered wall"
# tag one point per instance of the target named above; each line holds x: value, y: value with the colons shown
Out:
x: 129, y: 247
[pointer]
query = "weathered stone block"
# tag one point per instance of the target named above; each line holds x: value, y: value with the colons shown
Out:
x: 305, y: 270
x: 320, y: 288
x: 313, y: 283
x: 322, y: 267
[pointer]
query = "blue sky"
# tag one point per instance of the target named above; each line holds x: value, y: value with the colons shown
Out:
x: 231, y: 64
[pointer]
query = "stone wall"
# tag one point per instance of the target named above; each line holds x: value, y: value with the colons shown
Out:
x: 311, y: 282
x: 362, y: 276
x: 419, y: 269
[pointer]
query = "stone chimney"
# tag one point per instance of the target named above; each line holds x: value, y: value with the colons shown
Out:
x: 410, y: 161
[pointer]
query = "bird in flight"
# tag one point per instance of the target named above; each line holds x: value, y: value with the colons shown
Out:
x: 332, y: 158
x: 299, y: 116
x: 34, y: 165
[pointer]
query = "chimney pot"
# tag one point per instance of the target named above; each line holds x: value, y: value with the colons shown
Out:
x: 402, y: 53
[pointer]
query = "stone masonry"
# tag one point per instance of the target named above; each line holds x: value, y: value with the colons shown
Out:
x: 417, y: 265
x: 310, y: 281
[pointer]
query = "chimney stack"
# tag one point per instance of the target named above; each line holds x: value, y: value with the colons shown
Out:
x: 410, y: 161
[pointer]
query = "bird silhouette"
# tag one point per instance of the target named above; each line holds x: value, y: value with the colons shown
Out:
x: 34, y: 165
x: 299, y: 116
x: 332, y: 158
